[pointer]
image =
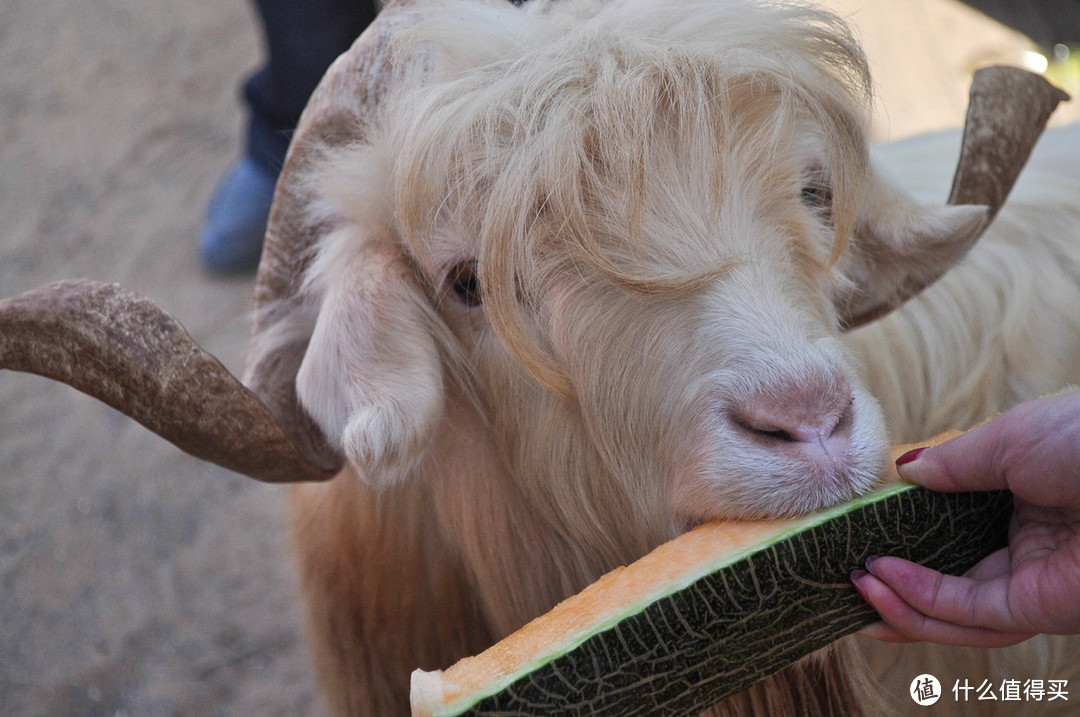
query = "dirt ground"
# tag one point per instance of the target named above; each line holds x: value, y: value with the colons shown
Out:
x: 135, y: 580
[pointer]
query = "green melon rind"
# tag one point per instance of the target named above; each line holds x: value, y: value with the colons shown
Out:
x: 701, y: 630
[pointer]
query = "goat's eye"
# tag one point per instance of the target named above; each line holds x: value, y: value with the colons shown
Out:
x: 463, y: 280
x: 817, y: 195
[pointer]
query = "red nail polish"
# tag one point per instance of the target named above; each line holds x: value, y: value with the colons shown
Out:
x: 910, y: 456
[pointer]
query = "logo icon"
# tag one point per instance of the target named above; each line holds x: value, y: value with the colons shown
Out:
x: 925, y: 690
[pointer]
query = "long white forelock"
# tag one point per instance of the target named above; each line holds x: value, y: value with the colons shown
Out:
x: 551, y: 50
x: 552, y: 89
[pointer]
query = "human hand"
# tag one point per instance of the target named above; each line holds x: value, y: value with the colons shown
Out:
x: 1031, y: 587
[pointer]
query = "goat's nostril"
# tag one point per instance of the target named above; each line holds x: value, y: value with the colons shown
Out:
x: 847, y: 417
x: 778, y: 435
x: 755, y: 423
x: 793, y: 421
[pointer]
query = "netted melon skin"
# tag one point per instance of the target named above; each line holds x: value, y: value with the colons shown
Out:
x: 735, y: 627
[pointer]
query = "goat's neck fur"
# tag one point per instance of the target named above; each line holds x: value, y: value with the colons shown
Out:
x: 383, y: 595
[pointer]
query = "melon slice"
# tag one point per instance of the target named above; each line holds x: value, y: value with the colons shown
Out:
x: 714, y: 611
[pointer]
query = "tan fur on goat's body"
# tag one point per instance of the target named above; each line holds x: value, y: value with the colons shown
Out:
x: 515, y: 466
x: 1000, y: 328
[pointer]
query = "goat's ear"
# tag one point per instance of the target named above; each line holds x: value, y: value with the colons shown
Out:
x: 900, y: 247
x: 371, y: 376
x: 342, y: 112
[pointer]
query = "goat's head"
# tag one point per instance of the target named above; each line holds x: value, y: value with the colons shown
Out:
x: 632, y: 237
x: 642, y: 238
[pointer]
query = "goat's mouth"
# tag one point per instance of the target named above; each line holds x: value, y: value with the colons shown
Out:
x: 786, y: 499
x: 752, y: 472
x: 685, y: 523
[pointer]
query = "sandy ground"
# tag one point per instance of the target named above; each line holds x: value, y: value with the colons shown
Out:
x: 134, y: 579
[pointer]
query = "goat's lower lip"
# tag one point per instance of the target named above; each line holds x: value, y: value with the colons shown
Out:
x: 801, y: 487
x: 686, y: 523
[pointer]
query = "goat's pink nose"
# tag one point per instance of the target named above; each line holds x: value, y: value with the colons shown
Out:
x: 815, y: 417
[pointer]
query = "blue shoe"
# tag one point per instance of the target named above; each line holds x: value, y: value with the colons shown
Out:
x: 232, y: 234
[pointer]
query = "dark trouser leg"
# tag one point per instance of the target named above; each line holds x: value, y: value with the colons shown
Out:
x: 302, y: 38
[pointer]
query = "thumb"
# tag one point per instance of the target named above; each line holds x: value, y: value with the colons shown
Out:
x: 1032, y: 449
x: 968, y: 462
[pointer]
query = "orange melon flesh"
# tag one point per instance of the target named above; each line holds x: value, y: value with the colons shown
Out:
x: 621, y: 592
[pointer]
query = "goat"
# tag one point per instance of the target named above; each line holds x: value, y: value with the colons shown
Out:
x: 545, y: 286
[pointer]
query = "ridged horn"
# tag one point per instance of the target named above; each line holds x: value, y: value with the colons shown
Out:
x: 126, y: 351
x: 1008, y: 109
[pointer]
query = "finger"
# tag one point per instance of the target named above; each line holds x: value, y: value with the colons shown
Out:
x: 1031, y: 449
x: 965, y: 463
x: 995, y: 565
x: 955, y: 600
x: 902, y: 623
x: 881, y: 630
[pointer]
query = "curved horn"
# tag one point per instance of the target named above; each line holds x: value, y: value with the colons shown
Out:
x: 1008, y: 108
x: 341, y: 111
x: 126, y: 351
x: 1007, y: 112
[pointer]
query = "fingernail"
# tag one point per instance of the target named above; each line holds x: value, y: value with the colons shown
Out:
x: 856, y: 576
x: 870, y: 562
x: 910, y: 456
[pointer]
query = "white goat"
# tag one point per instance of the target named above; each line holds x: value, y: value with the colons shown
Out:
x: 581, y: 287
x: 555, y: 283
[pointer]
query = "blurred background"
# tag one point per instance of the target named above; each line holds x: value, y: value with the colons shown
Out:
x: 135, y: 580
